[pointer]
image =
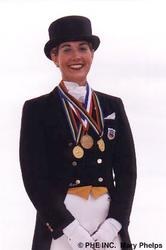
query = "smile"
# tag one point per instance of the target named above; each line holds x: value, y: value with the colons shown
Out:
x: 76, y: 66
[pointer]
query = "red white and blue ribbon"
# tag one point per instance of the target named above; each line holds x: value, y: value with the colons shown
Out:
x: 83, y: 112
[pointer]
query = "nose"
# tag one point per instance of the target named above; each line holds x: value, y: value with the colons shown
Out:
x: 76, y: 55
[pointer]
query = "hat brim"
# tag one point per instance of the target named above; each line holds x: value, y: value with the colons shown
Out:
x: 94, y: 40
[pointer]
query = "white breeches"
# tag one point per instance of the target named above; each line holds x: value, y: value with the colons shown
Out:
x: 90, y: 214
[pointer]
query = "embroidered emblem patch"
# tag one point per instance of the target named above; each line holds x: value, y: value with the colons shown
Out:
x: 111, y: 133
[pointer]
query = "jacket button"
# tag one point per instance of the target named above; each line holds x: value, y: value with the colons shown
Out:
x: 99, y: 161
x: 78, y: 182
x: 70, y: 144
x: 100, y: 179
x: 74, y: 163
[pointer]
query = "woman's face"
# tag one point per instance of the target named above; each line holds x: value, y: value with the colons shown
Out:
x: 74, y: 60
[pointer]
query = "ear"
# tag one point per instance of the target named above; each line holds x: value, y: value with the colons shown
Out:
x: 54, y: 58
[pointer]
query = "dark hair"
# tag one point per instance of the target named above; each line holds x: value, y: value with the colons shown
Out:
x: 54, y: 50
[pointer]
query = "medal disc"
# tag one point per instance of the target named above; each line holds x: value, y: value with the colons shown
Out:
x: 101, y: 145
x: 86, y: 141
x: 78, y: 152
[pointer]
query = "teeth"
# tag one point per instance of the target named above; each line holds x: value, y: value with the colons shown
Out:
x: 76, y: 66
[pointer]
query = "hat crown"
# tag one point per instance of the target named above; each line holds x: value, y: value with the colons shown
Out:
x: 70, y: 27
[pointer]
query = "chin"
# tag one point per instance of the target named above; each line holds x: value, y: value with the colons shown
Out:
x: 78, y: 80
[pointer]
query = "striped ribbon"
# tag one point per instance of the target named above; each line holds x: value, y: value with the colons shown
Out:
x: 84, y: 113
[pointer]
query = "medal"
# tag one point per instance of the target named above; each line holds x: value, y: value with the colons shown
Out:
x: 81, y: 117
x: 83, y: 112
x: 78, y: 152
x: 86, y: 141
x: 101, y: 145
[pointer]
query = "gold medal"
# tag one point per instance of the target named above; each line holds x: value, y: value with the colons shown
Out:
x: 101, y: 145
x: 86, y: 141
x: 78, y: 152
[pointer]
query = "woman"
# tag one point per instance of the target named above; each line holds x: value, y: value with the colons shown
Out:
x: 76, y: 152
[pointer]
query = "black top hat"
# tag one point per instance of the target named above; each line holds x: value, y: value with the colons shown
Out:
x: 70, y: 28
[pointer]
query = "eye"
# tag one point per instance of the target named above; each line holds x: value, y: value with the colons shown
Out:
x: 84, y: 48
x: 67, y: 49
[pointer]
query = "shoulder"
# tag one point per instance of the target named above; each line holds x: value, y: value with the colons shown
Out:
x: 37, y: 101
x: 110, y: 103
x: 41, y: 101
x: 105, y: 98
x: 34, y: 108
x: 42, y: 107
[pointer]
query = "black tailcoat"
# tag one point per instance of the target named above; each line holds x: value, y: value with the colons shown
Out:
x: 49, y: 167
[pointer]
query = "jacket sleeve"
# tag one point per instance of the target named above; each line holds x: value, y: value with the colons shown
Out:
x: 47, y: 198
x: 124, y: 167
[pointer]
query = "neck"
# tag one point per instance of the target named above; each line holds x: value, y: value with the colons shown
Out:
x: 82, y: 83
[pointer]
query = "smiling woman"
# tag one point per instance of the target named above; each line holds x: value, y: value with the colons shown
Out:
x: 74, y: 60
x: 76, y: 151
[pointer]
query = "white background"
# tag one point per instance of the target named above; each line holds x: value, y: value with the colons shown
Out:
x: 130, y: 63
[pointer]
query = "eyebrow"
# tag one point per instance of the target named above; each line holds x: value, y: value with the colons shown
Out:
x: 64, y: 45
x: 68, y: 45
